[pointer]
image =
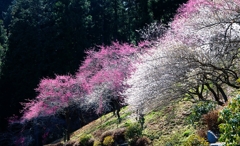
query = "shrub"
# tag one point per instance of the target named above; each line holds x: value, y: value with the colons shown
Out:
x: 91, y: 142
x: 230, y: 128
x: 187, y: 133
x: 97, y: 143
x: 108, y: 141
x: 195, y: 140
x: 133, y: 131
x: 85, y: 140
x: 211, y: 120
x: 173, y: 140
x: 143, y: 141
x: 200, y: 109
x: 118, y: 135
x: 105, y: 134
x: 202, y: 133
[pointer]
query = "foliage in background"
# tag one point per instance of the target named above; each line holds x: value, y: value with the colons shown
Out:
x: 230, y: 128
x: 3, y: 45
x: 3, y: 7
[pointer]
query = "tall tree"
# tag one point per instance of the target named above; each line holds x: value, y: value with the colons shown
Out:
x: 3, y: 49
x: 45, y: 38
x: 164, y: 10
x: 3, y: 44
x: 4, y: 4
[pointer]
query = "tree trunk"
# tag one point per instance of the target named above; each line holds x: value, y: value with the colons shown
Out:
x: 83, y: 121
x: 199, y: 93
x: 116, y: 107
x: 67, y: 118
x: 222, y: 92
x: 214, y: 94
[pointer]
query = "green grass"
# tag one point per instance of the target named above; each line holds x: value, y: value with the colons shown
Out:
x: 167, y: 123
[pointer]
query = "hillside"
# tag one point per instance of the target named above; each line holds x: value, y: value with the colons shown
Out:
x: 192, y: 62
x: 167, y: 123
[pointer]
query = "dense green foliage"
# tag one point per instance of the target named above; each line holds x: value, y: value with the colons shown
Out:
x: 108, y: 141
x: 48, y: 37
x: 230, y: 128
x: 195, y: 140
x: 133, y: 131
x: 200, y: 109
x: 4, y: 6
x: 84, y: 140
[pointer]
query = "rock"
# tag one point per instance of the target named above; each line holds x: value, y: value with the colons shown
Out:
x: 212, y: 138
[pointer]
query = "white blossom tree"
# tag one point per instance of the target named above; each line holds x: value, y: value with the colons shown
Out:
x: 200, y: 49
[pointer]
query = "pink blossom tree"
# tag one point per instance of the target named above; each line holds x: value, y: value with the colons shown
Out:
x: 104, y: 71
x: 55, y: 97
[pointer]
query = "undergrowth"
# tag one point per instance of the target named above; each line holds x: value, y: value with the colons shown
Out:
x: 165, y: 126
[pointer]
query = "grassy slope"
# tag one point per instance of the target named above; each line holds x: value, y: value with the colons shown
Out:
x: 165, y: 123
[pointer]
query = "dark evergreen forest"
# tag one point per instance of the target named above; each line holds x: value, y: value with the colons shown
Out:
x: 41, y: 38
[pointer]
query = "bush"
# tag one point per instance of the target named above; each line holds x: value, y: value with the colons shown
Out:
x: 119, y: 135
x: 202, y: 133
x: 97, y: 143
x: 211, y: 120
x: 176, y: 138
x: 200, y: 109
x: 230, y: 128
x: 173, y: 140
x: 85, y: 140
x: 91, y: 142
x: 195, y: 140
x: 187, y: 133
x: 133, y: 131
x: 105, y: 134
x: 108, y: 141
x: 143, y: 141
